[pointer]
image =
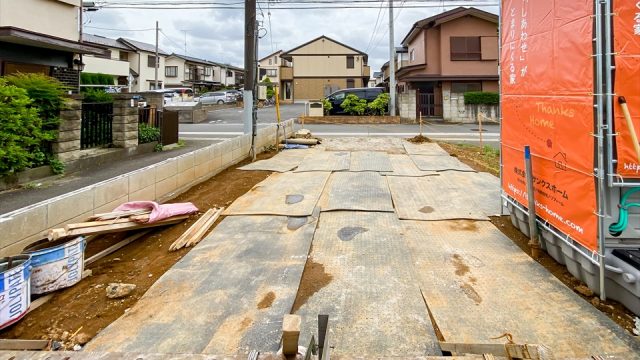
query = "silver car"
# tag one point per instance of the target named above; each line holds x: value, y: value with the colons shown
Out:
x: 216, y: 98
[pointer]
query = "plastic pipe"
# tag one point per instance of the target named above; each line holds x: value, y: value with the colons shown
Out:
x: 533, y: 230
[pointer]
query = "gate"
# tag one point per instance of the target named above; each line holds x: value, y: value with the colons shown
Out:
x: 96, y: 128
x: 168, y: 127
x: 426, y: 105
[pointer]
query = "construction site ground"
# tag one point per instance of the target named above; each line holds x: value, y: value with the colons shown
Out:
x: 396, y: 273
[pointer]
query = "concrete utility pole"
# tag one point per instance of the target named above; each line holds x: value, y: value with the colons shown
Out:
x: 157, y: 62
x: 392, y: 64
x: 250, y: 46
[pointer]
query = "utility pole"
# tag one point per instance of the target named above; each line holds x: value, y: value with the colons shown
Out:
x: 250, y: 41
x: 392, y: 64
x: 157, y: 62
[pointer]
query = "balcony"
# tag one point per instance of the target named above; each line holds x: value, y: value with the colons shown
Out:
x: 286, y: 73
x: 366, y: 71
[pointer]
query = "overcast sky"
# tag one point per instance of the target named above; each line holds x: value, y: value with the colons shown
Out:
x: 218, y: 35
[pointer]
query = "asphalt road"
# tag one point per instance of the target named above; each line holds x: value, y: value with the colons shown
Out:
x: 226, y: 123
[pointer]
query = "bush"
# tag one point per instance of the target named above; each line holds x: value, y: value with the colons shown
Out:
x: 96, y: 79
x: 481, y: 98
x: 147, y: 134
x: 96, y: 96
x: 326, y: 106
x: 379, y: 105
x: 270, y: 92
x: 353, y: 105
x: 21, y: 131
x: 47, y: 94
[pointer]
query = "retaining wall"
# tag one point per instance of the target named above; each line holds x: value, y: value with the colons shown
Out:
x: 161, y: 181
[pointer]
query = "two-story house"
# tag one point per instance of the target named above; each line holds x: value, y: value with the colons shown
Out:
x: 142, y: 63
x: 322, y: 66
x: 227, y: 75
x: 187, y: 71
x: 43, y: 36
x: 114, y: 61
x: 270, y: 67
x: 449, y: 54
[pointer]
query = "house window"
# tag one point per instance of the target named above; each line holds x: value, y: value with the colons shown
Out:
x: 105, y: 55
x: 463, y: 87
x: 465, y: 48
x: 350, y: 83
x: 171, y: 71
x: 208, y: 71
x: 124, y: 56
x: 229, y: 73
x: 270, y: 62
x: 412, y: 55
x: 350, y: 62
x: 272, y: 73
x: 151, y: 61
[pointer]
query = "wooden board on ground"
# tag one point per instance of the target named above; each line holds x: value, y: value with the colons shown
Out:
x: 366, y: 191
x: 370, y: 161
x: 288, y: 194
x: 450, y: 195
x: 226, y: 296
x: 325, y: 161
x: 424, y: 149
x: 439, y: 163
x: 284, y: 161
x: 375, y: 307
x: 404, y: 166
x: 478, y: 285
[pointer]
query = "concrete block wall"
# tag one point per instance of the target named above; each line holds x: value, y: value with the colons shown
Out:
x: 407, y: 105
x: 67, y: 145
x: 161, y: 182
x: 454, y: 109
x: 125, y: 122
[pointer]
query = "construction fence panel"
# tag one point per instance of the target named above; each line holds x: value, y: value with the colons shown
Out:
x: 547, y: 103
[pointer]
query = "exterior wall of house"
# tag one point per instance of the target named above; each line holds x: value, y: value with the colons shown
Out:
x: 416, y: 46
x: 174, y: 81
x: 57, y: 18
x: 433, y: 46
x: 313, y: 88
x: 322, y: 46
x: 146, y: 73
x: 326, y: 65
x: 275, y: 65
x: 112, y: 66
x: 468, y: 26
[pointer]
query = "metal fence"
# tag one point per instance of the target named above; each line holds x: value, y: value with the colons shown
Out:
x: 97, y: 121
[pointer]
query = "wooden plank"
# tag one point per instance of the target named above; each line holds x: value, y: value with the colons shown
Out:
x: 193, y: 240
x: 55, y: 234
x: 514, y: 351
x: 18, y: 344
x: 184, y: 238
x: 89, y: 224
x: 119, y: 214
x: 113, y: 248
x: 38, y: 302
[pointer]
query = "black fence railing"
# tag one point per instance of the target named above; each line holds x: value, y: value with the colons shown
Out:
x: 97, y: 123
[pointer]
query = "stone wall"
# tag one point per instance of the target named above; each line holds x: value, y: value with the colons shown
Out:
x: 407, y: 105
x: 161, y: 181
x: 454, y: 109
x: 334, y: 119
x: 125, y: 122
x: 67, y: 145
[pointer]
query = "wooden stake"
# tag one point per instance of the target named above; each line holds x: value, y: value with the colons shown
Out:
x: 632, y: 130
x: 290, y: 334
x: 204, y: 229
x: 420, y: 123
x: 480, y: 130
x: 182, y: 240
x: 17, y: 344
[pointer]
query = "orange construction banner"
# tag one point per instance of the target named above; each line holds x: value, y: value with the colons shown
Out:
x: 626, y: 30
x: 547, y: 99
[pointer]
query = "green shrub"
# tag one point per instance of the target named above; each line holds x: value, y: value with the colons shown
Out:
x: 96, y: 96
x: 47, y: 94
x: 270, y: 92
x: 379, y: 105
x: 147, y: 134
x: 96, y: 79
x: 21, y: 131
x: 353, y: 105
x: 481, y: 98
x: 326, y: 106
x: 57, y: 166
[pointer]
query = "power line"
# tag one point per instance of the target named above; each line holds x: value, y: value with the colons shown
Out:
x: 400, y: 8
x: 173, y: 42
x: 123, y: 30
x: 289, y: 5
x: 375, y: 27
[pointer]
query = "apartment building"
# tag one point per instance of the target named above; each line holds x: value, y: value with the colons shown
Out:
x: 142, y: 63
x: 43, y: 36
x: 271, y: 66
x: 187, y: 71
x: 322, y: 66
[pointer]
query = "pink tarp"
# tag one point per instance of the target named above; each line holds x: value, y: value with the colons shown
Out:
x: 159, y: 212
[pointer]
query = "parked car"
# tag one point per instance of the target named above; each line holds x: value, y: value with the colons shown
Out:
x: 217, y: 98
x: 237, y: 93
x: 338, y: 97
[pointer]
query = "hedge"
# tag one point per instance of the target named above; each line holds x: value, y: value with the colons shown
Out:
x: 481, y: 98
x: 96, y: 79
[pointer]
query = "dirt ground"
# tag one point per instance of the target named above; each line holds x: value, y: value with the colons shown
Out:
x: 84, y: 309
x: 489, y: 161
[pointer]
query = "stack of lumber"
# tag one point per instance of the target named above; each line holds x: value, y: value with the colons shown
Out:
x: 112, y: 222
x: 302, y: 137
x: 197, y: 231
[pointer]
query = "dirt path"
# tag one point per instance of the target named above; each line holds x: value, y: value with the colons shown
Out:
x: 489, y: 161
x: 84, y: 309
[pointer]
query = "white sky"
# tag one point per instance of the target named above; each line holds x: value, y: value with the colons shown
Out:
x: 218, y: 35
